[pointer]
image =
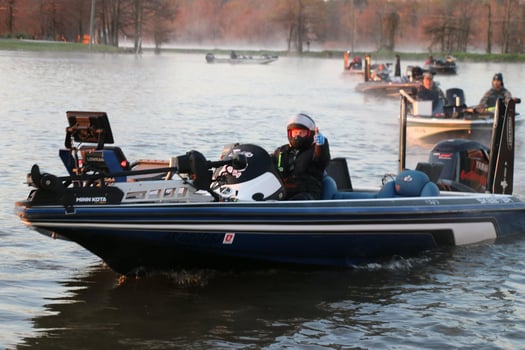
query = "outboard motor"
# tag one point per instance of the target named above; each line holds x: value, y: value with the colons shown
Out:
x: 465, y: 165
x: 210, y: 58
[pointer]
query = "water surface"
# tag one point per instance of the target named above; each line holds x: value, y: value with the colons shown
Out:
x: 54, y: 294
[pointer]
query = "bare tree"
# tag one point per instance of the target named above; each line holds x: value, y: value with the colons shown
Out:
x: 110, y: 16
x: 506, y: 27
x: 303, y: 20
x: 159, y: 18
x: 489, y: 27
x: 390, y: 25
x: 10, y: 6
x: 447, y: 25
x: 450, y: 29
x: 138, y: 18
x: 52, y: 21
x: 286, y: 17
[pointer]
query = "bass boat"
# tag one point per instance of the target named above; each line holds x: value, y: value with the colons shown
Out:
x: 191, y: 212
x: 354, y: 65
x: 445, y: 65
x: 379, y: 82
x: 451, y: 117
x: 241, y: 59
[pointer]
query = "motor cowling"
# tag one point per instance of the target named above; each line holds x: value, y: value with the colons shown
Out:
x: 465, y: 165
x: 257, y: 181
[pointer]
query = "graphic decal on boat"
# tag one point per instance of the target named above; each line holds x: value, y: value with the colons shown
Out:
x: 91, y: 200
x: 228, y: 238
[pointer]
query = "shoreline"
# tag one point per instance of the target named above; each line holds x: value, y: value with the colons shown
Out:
x: 57, y: 46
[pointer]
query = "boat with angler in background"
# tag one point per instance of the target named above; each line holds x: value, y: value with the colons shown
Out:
x: 234, y: 58
x: 451, y: 116
x: 353, y: 64
x: 445, y: 65
x: 191, y: 212
x: 378, y: 80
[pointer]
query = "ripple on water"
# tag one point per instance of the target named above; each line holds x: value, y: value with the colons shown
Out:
x: 54, y: 293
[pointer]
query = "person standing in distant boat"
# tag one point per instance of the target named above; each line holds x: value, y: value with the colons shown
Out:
x: 302, y: 162
x: 498, y: 90
x: 429, y: 91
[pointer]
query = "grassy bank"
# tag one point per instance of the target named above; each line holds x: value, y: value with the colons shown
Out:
x: 34, y: 45
x: 37, y: 45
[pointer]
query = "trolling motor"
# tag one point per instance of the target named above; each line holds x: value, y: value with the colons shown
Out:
x: 93, y: 166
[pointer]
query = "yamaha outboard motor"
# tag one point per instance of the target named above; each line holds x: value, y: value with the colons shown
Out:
x: 465, y: 165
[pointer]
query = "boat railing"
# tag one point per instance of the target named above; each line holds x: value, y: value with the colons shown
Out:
x: 405, y: 100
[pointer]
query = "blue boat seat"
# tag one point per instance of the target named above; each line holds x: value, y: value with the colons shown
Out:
x: 107, y: 160
x: 337, y: 169
x: 329, y: 187
x: 330, y: 191
x: 409, y: 183
x: 68, y: 160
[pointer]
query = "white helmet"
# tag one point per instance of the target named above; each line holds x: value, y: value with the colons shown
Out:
x: 301, y: 121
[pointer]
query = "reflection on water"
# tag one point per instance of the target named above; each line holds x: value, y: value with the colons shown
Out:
x: 55, y: 295
x: 209, y: 309
x: 440, y: 298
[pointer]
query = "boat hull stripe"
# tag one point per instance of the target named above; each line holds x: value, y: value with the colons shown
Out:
x: 464, y: 232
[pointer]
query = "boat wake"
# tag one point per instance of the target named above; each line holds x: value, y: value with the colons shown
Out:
x: 396, y: 263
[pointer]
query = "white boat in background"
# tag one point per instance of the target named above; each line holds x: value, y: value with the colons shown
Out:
x: 422, y: 127
x: 454, y: 117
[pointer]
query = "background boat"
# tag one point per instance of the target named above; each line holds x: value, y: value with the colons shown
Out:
x: 380, y: 81
x: 353, y: 64
x: 241, y: 59
x: 446, y: 65
x: 451, y: 117
x: 429, y: 126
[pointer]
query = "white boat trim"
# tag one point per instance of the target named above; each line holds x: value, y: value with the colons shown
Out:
x: 464, y: 232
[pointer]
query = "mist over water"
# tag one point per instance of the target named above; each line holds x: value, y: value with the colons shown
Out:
x: 54, y: 294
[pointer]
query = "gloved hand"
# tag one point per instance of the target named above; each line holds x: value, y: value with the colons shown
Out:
x: 319, y: 139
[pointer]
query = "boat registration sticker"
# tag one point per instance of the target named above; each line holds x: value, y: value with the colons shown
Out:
x: 228, y: 238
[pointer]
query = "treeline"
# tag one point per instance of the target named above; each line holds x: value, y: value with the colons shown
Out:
x: 489, y: 26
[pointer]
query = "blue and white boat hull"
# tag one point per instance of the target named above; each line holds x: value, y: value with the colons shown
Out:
x: 335, y: 233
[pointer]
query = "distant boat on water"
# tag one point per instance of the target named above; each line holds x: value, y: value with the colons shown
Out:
x: 234, y: 58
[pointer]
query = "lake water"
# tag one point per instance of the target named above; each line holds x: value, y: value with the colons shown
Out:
x: 55, y: 295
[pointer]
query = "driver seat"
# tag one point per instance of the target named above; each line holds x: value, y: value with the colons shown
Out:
x: 409, y: 183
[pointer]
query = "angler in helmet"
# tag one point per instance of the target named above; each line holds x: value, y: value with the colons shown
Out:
x: 497, y: 90
x: 303, y: 160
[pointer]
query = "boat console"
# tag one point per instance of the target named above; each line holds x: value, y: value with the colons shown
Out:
x: 93, y: 132
x: 88, y: 127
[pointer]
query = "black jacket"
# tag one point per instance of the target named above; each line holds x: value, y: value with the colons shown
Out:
x: 302, y: 171
x: 435, y: 95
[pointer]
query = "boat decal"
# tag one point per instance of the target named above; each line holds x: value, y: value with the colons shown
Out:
x: 92, y: 200
x: 228, y: 238
x: 476, y: 226
x: 494, y: 200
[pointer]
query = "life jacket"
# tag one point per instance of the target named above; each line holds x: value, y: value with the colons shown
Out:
x: 302, y: 170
